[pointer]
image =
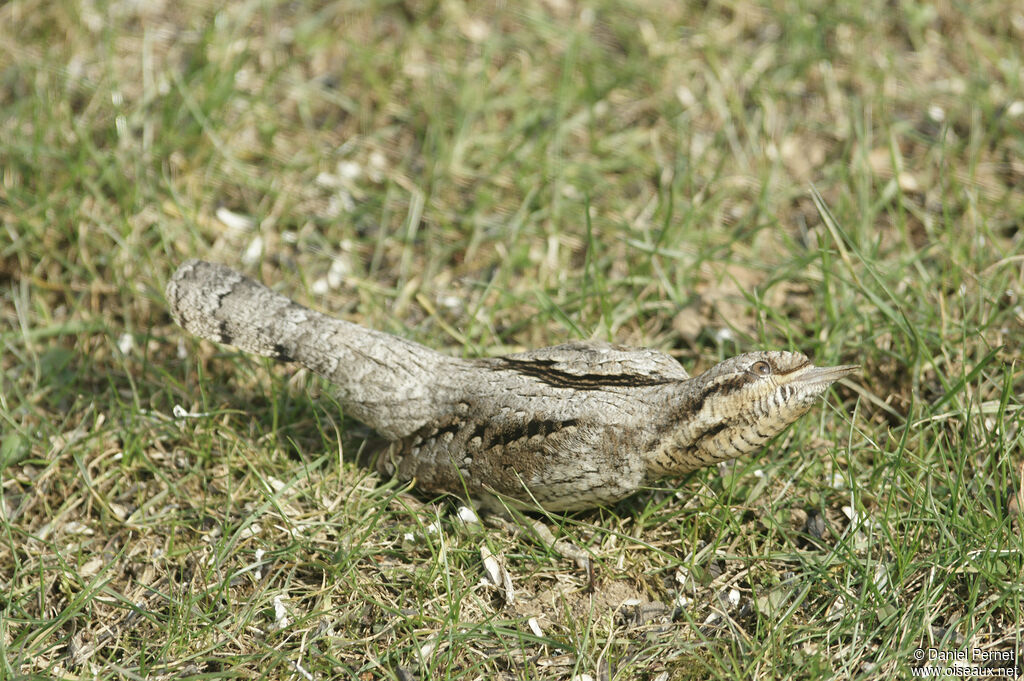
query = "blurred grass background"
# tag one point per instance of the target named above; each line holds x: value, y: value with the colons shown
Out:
x: 704, y: 178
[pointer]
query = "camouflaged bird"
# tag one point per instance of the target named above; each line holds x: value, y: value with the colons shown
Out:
x: 566, y: 427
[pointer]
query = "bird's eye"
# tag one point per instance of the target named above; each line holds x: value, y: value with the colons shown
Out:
x: 761, y: 368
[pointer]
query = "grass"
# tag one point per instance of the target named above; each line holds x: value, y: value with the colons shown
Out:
x: 705, y: 179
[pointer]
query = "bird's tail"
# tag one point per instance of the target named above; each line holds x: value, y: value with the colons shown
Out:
x: 386, y: 382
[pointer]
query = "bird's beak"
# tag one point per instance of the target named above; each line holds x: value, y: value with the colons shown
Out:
x: 813, y: 375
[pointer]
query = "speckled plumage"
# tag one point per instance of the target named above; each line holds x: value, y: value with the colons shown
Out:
x: 566, y: 427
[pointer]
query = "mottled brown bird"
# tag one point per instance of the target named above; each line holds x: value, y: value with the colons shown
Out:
x: 567, y: 427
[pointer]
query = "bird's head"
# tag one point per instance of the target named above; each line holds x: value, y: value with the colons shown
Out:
x: 739, y: 404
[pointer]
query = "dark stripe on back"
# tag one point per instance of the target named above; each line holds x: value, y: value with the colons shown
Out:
x: 542, y: 371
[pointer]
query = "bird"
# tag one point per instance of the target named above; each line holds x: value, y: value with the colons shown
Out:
x: 562, y: 428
